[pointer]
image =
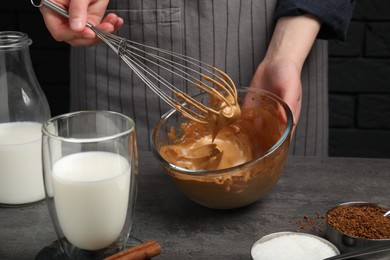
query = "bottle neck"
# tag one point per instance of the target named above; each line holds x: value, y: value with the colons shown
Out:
x: 15, y: 53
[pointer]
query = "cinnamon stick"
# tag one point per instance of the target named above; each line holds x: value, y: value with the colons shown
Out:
x: 143, y: 251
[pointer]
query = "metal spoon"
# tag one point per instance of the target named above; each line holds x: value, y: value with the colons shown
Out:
x: 387, y: 214
x: 362, y: 252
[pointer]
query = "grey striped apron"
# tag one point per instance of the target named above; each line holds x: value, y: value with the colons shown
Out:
x: 231, y: 35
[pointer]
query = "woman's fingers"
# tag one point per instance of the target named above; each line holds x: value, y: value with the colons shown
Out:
x: 73, y: 30
x: 78, y: 14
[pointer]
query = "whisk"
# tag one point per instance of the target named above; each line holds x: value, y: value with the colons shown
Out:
x: 217, y: 84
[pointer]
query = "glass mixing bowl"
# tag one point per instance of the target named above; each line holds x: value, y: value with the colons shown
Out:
x: 243, y: 184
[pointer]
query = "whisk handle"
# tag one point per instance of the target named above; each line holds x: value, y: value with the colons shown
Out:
x: 58, y: 9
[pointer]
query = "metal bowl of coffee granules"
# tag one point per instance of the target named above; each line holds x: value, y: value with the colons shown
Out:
x: 356, y: 225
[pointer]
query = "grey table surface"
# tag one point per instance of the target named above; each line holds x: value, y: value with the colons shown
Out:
x: 186, y: 230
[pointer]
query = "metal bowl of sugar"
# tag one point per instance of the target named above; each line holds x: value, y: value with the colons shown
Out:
x: 354, y: 226
x: 292, y: 246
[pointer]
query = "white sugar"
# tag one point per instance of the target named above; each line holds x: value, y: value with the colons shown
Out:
x: 292, y: 247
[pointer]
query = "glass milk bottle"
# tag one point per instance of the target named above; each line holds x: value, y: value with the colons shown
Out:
x: 23, y: 109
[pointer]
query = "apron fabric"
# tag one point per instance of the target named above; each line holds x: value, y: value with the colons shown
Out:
x: 231, y: 35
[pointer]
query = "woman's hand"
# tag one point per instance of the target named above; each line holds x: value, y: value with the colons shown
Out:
x: 74, y: 30
x: 280, y: 71
x: 281, y: 77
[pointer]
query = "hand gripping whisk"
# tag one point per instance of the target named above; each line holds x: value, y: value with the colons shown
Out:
x: 223, y: 107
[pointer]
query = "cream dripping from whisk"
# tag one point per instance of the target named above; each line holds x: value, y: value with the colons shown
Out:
x: 223, y: 106
x: 219, y: 115
x: 227, y: 114
x: 222, y: 111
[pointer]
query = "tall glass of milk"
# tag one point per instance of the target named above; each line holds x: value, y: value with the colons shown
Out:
x: 90, y: 177
x: 23, y: 109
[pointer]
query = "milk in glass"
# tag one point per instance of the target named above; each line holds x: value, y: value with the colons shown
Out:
x: 91, y: 192
x: 21, y: 179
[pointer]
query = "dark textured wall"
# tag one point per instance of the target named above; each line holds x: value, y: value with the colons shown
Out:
x: 359, y: 84
x: 359, y: 74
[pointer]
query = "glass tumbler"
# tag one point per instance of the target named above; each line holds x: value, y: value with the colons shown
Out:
x: 90, y: 178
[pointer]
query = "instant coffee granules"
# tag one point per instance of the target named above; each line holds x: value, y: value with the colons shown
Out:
x: 313, y: 223
x: 360, y: 221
